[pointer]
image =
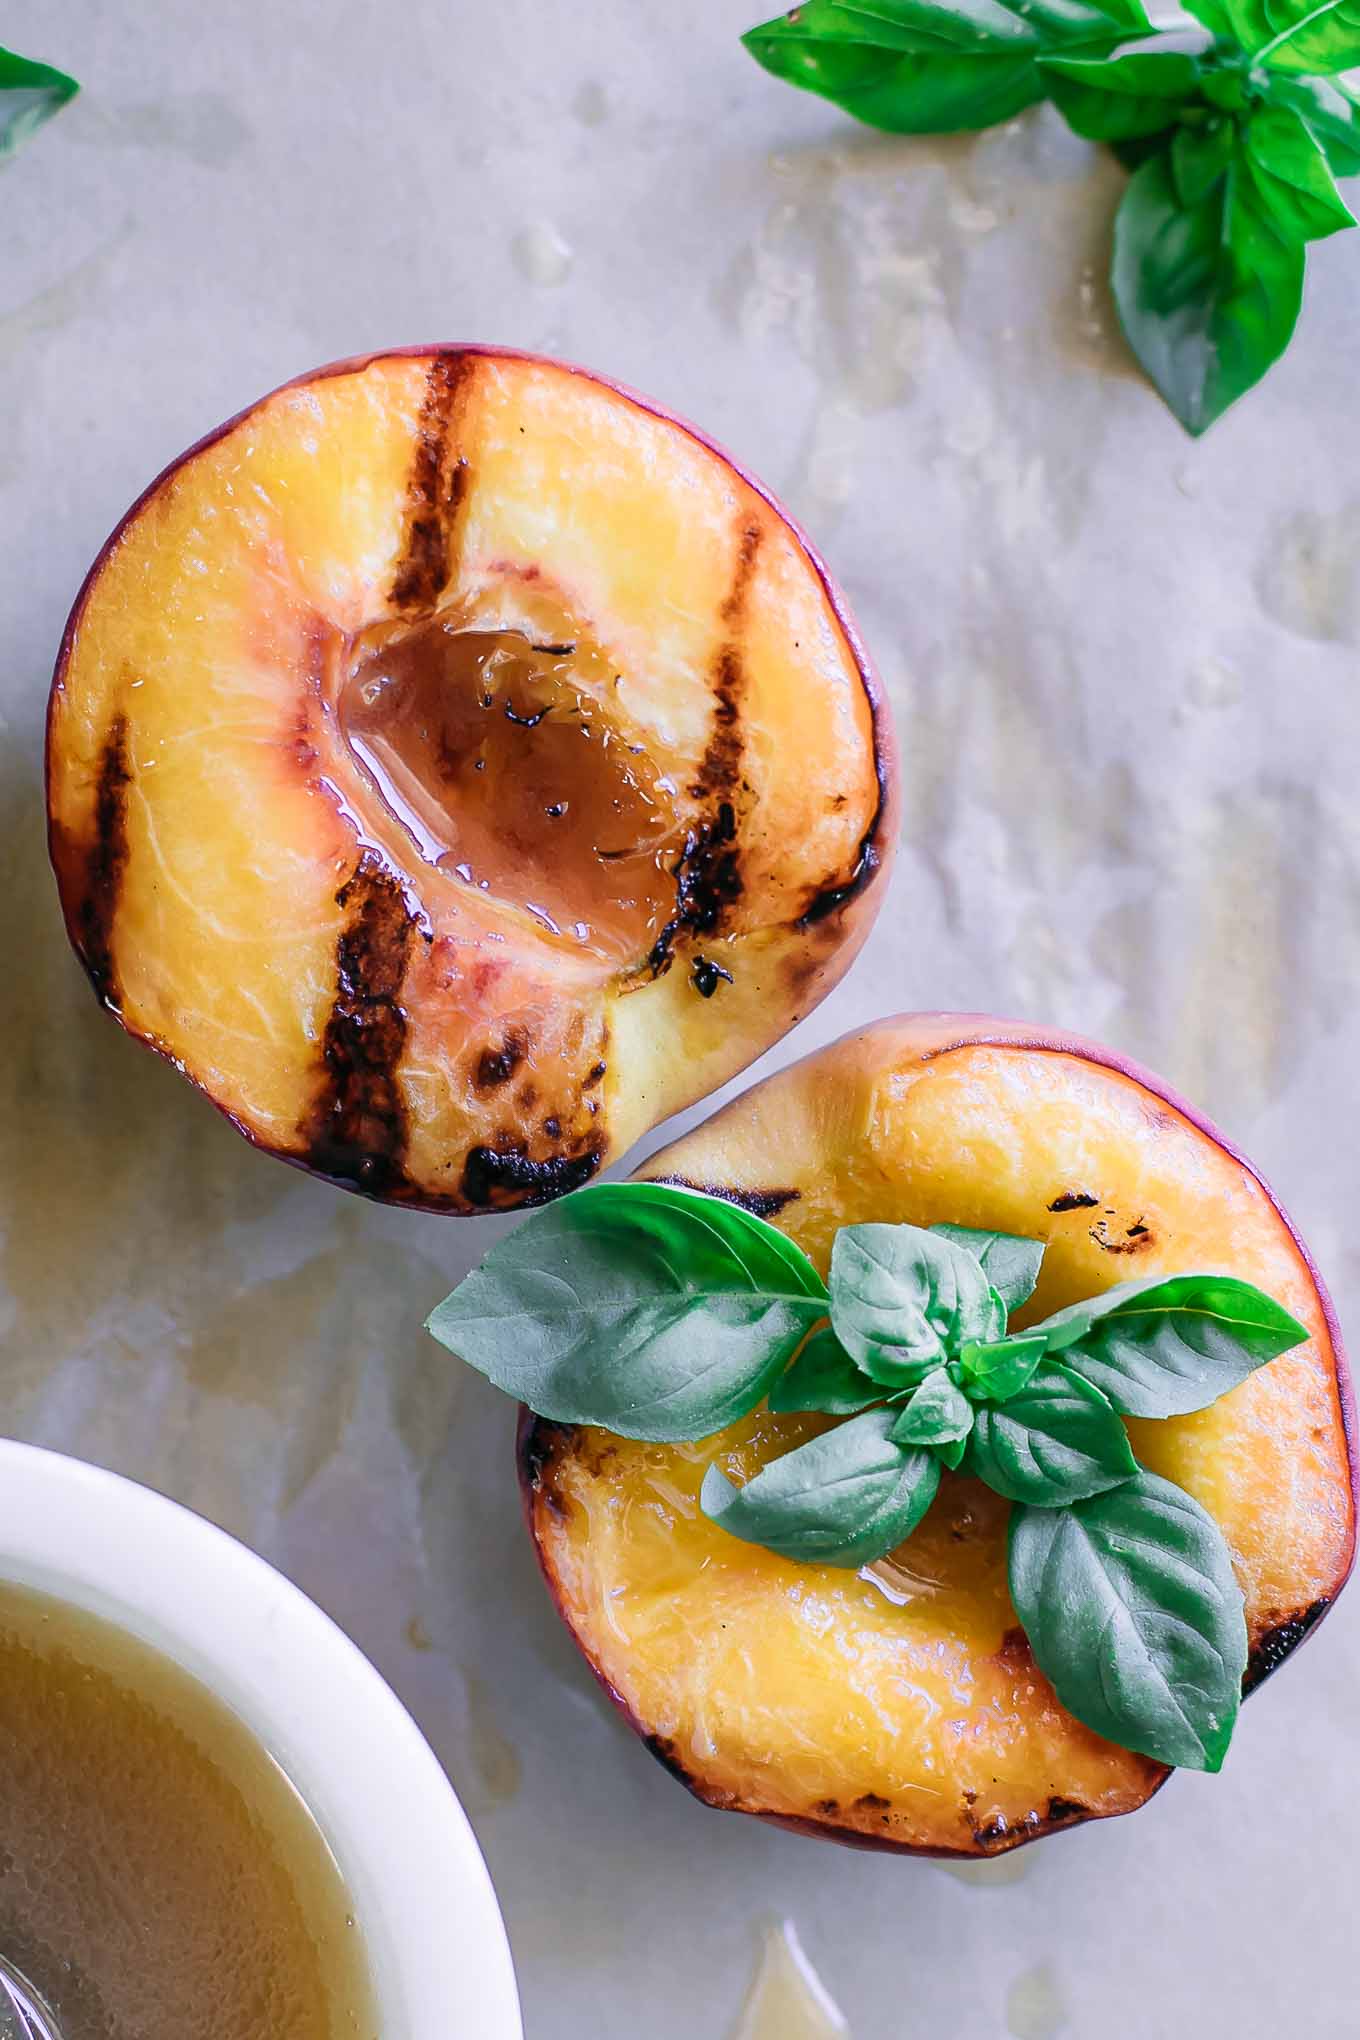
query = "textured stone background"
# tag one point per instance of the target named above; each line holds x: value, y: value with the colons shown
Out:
x: 1123, y: 669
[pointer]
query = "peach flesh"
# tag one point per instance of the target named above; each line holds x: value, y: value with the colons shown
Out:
x: 904, y: 1710
x: 253, y: 862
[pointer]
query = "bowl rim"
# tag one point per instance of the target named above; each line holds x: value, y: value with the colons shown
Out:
x: 433, y: 1931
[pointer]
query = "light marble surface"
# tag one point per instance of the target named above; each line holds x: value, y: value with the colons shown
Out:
x: 1123, y: 670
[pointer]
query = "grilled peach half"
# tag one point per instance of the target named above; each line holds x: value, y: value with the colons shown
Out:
x: 455, y: 766
x: 901, y: 1708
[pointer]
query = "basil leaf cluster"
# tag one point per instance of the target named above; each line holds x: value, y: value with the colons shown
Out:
x: 1235, y: 137
x: 30, y: 93
x: 919, y: 67
x: 665, y: 1314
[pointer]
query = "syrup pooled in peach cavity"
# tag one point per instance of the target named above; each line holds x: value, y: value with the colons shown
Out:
x: 499, y: 757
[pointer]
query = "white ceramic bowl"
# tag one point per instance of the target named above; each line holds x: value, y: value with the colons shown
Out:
x: 423, y: 1899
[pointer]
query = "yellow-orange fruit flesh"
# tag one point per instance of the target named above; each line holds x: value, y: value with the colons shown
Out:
x: 456, y: 765
x: 905, y: 1708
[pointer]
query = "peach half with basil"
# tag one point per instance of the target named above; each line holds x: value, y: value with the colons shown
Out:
x: 901, y: 1706
x: 456, y: 765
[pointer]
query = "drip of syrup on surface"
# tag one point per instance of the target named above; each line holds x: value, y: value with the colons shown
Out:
x: 509, y: 777
x: 541, y: 254
x: 1035, y: 2009
x: 788, y: 2000
x: 991, y: 1873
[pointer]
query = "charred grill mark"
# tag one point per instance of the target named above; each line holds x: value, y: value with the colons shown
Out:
x: 358, y: 1130
x: 1074, y: 1200
x: 707, y: 873
x: 106, y: 863
x: 733, y: 611
x: 541, y: 1443
x: 706, y: 976
x: 437, y: 490
x: 721, y: 767
x: 838, y: 892
x: 998, y: 1835
x: 664, y: 1750
x: 510, y: 1178
x: 548, y: 1136
x: 1137, y: 1238
x: 831, y: 898
x: 763, y: 1203
x: 496, y: 1066
x: 707, y: 880
x: 1275, y: 1646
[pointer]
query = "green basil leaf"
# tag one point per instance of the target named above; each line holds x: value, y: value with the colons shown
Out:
x: 939, y: 1415
x: 1208, y: 295
x: 996, y: 1370
x: 902, y: 1300
x: 1113, y: 99
x: 29, y: 94
x: 1290, y: 172
x: 1215, y: 16
x: 659, y: 1313
x: 933, y: 66
x: 1141, y: 148
x: 1321, y: 36
x: 843, y: 1499
x: 950, y: 1451
x: 1199, y: 157
x: 1057, y: 1441
x: 1171, y: 1344
x: 1333, y: 115
x: 1010, y: 1263
x: 1133, y: 1613
x: 824, y: 1377
x: 1227, y: 88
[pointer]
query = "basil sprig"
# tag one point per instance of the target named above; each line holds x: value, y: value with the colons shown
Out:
x: 1234, y: 136
x: 661, y: 1313
x: 29, y: 94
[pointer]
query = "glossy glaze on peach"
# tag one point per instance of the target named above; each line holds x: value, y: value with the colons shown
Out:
x: 915, y: 1717
x: 367, y: 954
